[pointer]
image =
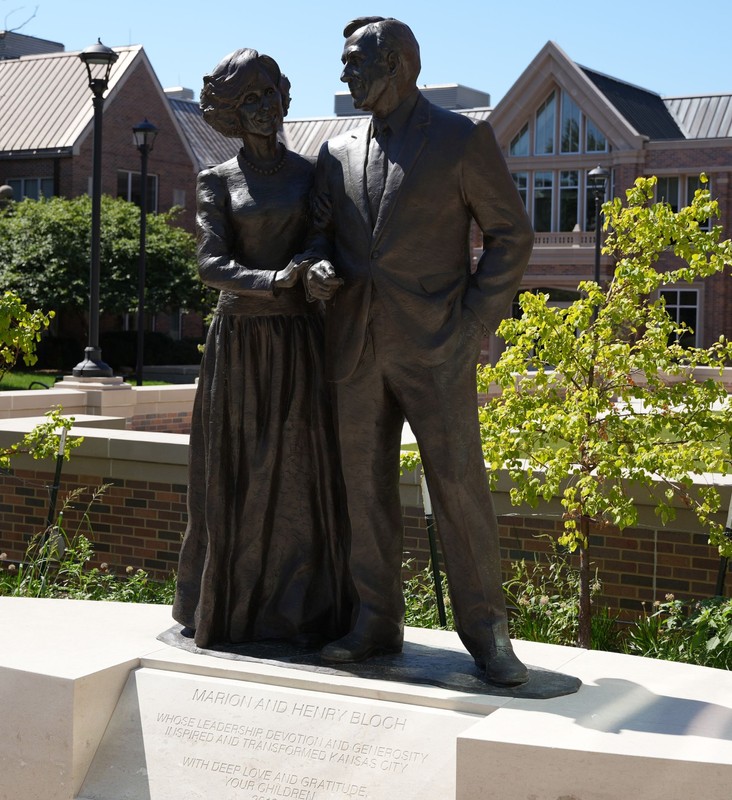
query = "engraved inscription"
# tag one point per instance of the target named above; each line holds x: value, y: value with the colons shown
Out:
x: 240, y: 740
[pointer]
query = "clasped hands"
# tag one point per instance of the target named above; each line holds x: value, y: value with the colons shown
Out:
x: 321, y: 282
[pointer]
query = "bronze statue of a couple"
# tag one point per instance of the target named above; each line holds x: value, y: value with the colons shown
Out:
x: 347, y: 305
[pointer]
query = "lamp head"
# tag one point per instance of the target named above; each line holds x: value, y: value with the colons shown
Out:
x: 143, y: 135
x: 598, y: 178
x: 98, y: 60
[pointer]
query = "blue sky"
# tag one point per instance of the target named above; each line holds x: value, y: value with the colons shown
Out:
x: 671, y: 47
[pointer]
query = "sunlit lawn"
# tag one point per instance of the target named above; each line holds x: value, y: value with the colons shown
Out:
x: 17, y: 380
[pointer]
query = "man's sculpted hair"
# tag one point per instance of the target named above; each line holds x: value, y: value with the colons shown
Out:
x: 391, y: 34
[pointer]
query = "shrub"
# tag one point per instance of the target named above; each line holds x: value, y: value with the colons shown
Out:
x: 687, y: 631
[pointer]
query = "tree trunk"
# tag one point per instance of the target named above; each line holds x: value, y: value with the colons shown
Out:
x: 584, y: 633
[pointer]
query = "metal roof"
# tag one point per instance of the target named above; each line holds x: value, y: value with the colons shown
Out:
x: 703, y: 116
x: 643, y: 109
x: 208, y: 146
x: 46, y: 103
x: 304, y: 136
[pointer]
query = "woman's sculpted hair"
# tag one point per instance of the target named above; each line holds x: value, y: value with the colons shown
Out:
x: 224, y: 89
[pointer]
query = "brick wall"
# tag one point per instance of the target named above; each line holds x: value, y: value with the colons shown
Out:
x: 140, y: 524
x: 635, y: 567
x: 135, y: 523
x: 172, y: 422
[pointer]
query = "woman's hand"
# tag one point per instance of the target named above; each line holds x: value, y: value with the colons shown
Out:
x: 287, y: 278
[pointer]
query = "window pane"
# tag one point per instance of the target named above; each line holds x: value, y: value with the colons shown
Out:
x: 570, y: 130
x: 30, y: 188
x: 520, y: 144
x: 568, y: 200
x: 123, y: 185
x: 545, y: 120
x: 667, y: 191
x: 692, y: 184
x: 47, y: 187
x: 16, y: 184
x: 152, y: 193
x: 669, y: 295
x: 682, y: 307
x: 543, y: 185
x: 521, y: 179
x: 596, y: 141
x: 135, y: 188
x: 688, y: 316
x: 589, y: 209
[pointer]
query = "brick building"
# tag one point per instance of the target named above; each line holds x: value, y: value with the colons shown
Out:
x: 559, y: 120
x: 46, y: 128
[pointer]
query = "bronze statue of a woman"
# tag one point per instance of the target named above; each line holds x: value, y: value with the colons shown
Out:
x: 262, y: 556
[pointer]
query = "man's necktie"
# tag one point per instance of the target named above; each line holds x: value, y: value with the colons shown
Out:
x: 376, y: 167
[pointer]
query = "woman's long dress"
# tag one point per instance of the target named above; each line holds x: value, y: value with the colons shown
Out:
x: 263, y: 553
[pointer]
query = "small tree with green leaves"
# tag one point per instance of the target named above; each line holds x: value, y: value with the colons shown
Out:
x: 20, y: 331
x: 599, y: 401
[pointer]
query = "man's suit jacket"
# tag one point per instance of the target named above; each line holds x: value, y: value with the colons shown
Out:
x: 417, y: 254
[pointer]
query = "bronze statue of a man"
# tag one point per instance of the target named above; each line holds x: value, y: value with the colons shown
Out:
x: 404, y: 323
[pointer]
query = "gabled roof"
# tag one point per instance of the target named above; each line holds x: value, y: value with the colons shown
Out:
x: 703, y: 116
x: 549, y: 68
x: 47, y: 106
x: 643, y: 109
x: 46, y: 102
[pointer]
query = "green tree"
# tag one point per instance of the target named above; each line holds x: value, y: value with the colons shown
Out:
x: 599, y: 401
x: 20, y: 330
x: 46, y: 244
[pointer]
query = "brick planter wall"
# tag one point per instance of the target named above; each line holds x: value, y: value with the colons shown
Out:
x: 140, y: 523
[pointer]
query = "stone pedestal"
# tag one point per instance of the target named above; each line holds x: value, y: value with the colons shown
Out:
x: 96, y: 708
x: 110, y: 397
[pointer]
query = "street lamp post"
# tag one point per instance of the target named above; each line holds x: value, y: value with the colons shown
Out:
x: 598, y: 178
x: 98, y: 60
x: 144, y: 135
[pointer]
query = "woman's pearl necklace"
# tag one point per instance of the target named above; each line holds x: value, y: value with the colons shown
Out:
x: 277, y: 167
